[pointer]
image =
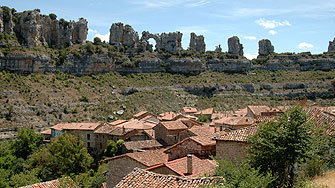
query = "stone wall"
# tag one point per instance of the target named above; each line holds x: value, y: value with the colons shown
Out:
x: 233, y: 151
x: 119, y: 168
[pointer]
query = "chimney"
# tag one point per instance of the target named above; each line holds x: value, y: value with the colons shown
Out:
x: 189, y: 164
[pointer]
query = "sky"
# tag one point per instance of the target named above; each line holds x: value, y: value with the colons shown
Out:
x: 291, y: 25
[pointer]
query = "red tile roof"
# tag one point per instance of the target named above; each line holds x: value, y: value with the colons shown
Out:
x: 105, y: 129
x: 208, y: 111
x: 257, y: 110
x: 235, y: 121
x: 141, y: 114
x: 59, y: 183
x: 200, y: 167
x: 117, y: 122
x: 174, y: 125
x: 239, y: 135
x: 142, y: 144
x: 202, y: 140
x: 167, y: 116
x: 143, y: 179
x: 189, y: 110
x: 81, y: 126
x: 137, y: 124
x: 46, y: 132
x: 202, y: 131
x: 147, y: 158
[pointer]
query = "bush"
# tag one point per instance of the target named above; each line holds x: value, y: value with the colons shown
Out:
x: 53, y: 16
x: 90, y: 48
x: 83, y: 99
x: 96, y: 41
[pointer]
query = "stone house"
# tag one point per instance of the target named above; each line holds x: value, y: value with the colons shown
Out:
x: 201, y: 146
x: 134, y: 146
x: 189, y: 166
x: 144, y: 179
x: 122, y: 165
x: 85, y: 131
x: 167, y: 132
x: 232, y: 145
x: 257, y: 111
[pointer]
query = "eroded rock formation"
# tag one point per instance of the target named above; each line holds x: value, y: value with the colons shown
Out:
x: 234, y: 46
x: 169, y: 42
x: 123, y: 35
x: 34, y: 29
x: 6, y: 20
x: 331, y: 47
x: 218, y: 48
x: 265, y: 47
x: 197, y: 43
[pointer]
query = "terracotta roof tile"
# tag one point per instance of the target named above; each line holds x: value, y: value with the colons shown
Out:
x: 46, y: 132
x: 208, y: 111
x: 203, y: 140
x: 202, y: 131
x: 235, y: 121
x: 167, y: 116
x: 105, y: 129
x: 137, y: 124
x: 141, y: 114
x: 117, y: 122
x: 190, y: 110
x: 59, y: 183
x: 147, y: 158
x: 200, y: 167
x: 142, y: 144
x: 257, y: 110
x: 239, y: 135
x: 81, y: 126
x: 143, y: 179
x: 174, y: 125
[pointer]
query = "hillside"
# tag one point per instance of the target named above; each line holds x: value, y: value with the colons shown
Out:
x: 42, y: 100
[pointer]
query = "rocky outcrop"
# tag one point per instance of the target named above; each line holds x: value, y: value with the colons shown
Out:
x: 234, y: 46
x: 218, y: 48
x: 197, y: 43
x: 123, y: 35
x: 34, y: 29
x: 265, y: 47
x: 331, y: 47
x: 6, y: 20
x: 169, y: 42
x: 228, y: 65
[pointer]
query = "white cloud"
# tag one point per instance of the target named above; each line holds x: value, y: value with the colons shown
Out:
x: 271, y: 24
x: 198, y: 3
x: 250, y: 37
x: 91, y: 31
x: 273, y: 32
x: 305, y: 45
x: 250, y: 56
x: 102, y: 37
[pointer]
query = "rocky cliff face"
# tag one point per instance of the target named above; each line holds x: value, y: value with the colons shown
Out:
x: 123, y: 35
x: 197, y: 43
x: 265, y: 47
x: 234, y: 46
x: 34, y: 29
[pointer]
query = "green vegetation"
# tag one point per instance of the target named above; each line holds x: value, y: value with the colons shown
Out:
x: 27, y: 161
x: 113, y: 148
x: 285, y: 153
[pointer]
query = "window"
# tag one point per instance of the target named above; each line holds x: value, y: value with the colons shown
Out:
x: 100, y: 145
x: 88, y: 136
x: 103, y: 136
x: 88, y: 144
x: 175, y: 138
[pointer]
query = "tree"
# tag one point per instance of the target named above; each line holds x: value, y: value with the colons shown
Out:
x: 97, y: 41
x: 203, y: 118
x: 65, y: 155
x: 113, y: 148
x: 242, y: 175
x: 27, y: 142
x: 278, y: 146
x: 53, y: 16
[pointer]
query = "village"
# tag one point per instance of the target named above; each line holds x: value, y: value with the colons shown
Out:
x: 177, y: 148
